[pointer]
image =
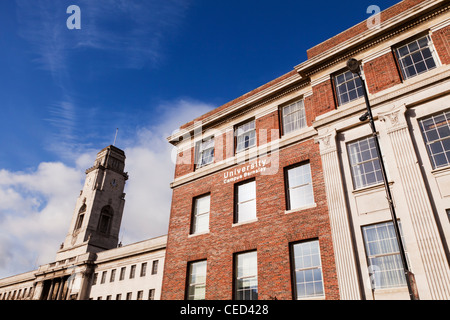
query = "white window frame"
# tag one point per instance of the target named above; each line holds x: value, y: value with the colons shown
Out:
x: 197, y: 215
x: 306, y: 186
x: 196, y: 289
x: 351, y: 82
x: 307, y: 270
x: 243, y: 131
x: 438, y: 142
x: 293, y: 117
x: 388, y: 254
x: 239, y: 203
x: 246, y: 273
x: 401, y: 57
x: 204, y: 152
x: 358, y: 166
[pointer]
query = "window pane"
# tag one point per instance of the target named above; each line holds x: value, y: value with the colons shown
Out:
x: 294, y: 117
x: 245, y: 136
x: 300, y: 186
x: 364, y: 163
x: 246, y: 276
x: 247, y: 211
x: 348, y: 87
x: 308, y: 269
x: 205, y: 152
x: 197, y: 280
x: 383, y: 255
x: 415, y: 57
x: 201, y: 214
x: 436, y: 135
x: 246, y: 202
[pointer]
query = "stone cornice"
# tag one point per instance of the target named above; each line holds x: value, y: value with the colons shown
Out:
x: 371, y: 37
x: 255, y: 101
x: 431, y: 78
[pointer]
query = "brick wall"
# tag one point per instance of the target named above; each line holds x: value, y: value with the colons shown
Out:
x: 381, y: 73
x: 270, y: 235
x: 323, y: 98
x: 441, y: 41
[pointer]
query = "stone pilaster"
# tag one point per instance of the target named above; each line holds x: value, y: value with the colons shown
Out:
x: 340, y: 227
x: 419, y: 207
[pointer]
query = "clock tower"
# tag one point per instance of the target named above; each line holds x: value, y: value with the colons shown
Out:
x: 98, y: 211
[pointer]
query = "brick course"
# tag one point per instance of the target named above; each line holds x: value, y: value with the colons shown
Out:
x: 441, y: 41
x: 381, y: 73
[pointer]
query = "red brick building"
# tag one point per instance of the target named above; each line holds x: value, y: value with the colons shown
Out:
x: 263, y: 202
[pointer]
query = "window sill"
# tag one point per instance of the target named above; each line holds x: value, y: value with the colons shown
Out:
x: 198, y: 234
x: 309, y: 206
x: 248, y: 149
x: 441, y: 170
x: 372, y: 187
x: 312, y: 298
x: 244, y: 222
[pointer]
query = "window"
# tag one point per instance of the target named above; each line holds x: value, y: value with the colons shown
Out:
x: 416, y: 57
x: 348, y: 87
x: 129, y: 295
x: 94, y: 281
x: 122, y: 273
x: 118, y: 296
x: 151, y: 294
x: 132, y: 271
x: 246, y: 276
x: 307, y: 270
x: 103, y: 277
x: 143, y: 269
x: 299, y: 186
x: 293, y: 117
x: 197, y: 280
x: 108, y: 297
x: 155, y: 267
x: 245, y: 201
x: 80, y: 217
x: 105, y: 219
x: 364, y: 162
x: 436, y: 133
x: 200, y: 214
x: 383, y: 256
x: 205, y: 152
x: 245, y: 136
x: 113, y: 275
x: 140, y: 294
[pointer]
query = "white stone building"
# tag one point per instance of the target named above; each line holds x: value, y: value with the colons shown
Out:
x: 90, y: 263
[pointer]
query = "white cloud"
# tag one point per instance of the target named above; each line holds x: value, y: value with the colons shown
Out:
x: 36, y: 206
x: 151, y: 170
x: 35, y: 209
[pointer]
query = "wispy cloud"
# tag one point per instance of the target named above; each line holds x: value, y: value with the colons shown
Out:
x: 124, y: 33
x: 133, y: 31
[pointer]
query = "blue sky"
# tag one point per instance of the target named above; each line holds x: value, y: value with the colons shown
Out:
x: 144, y: 67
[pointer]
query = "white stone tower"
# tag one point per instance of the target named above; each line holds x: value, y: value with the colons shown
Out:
x: 98, y: 212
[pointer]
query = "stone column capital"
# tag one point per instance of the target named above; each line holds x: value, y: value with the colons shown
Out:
x: 395, y: 118
x: 326, y: 140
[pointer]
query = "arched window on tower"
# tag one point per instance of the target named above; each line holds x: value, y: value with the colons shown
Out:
x: 80, y: 217
x: 104, y: 223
